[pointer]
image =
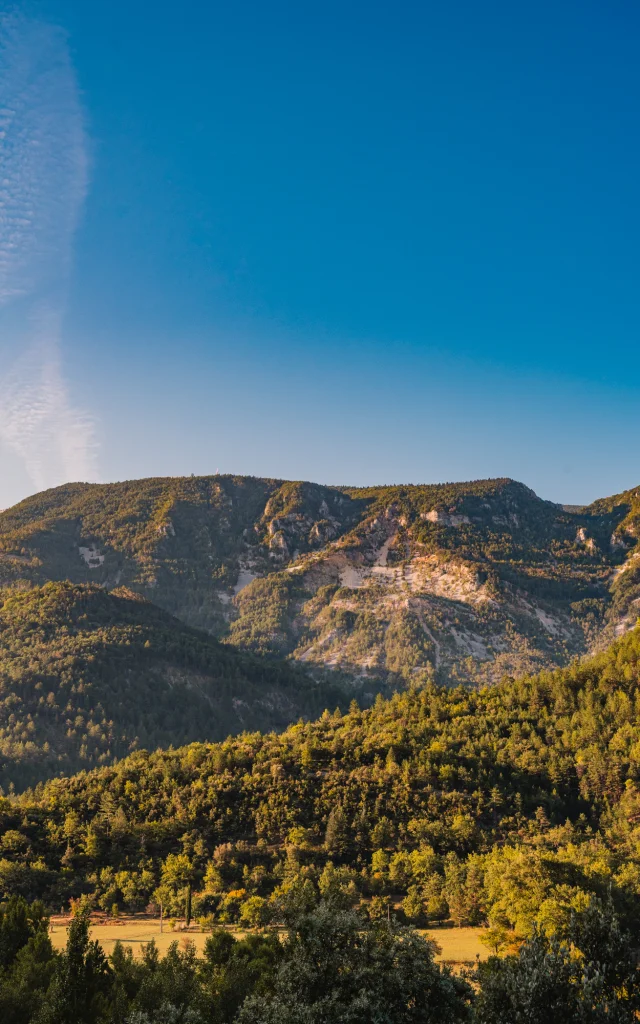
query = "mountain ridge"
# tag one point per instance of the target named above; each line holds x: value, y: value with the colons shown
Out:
x: 465, y: 582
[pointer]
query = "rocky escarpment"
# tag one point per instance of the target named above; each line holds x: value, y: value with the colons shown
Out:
x: 302, y: 517
x: 465, y: 583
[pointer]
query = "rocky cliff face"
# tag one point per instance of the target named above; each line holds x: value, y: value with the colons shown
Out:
x: 458, y: 581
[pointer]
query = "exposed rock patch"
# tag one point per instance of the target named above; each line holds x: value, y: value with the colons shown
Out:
x: 91, y: 555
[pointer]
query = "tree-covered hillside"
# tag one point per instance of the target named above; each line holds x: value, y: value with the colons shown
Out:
x: 88, y: 675
x: 514, y: 803
x: 176, y: 541
x: 456, y: 582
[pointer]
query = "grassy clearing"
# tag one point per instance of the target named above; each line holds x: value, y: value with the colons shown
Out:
x: 130, y: 931
x: 456, y: 944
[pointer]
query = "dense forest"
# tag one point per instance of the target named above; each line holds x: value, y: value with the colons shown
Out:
x: 516, y: 806
x: 88, y: 675
x: 460, y: 582
x: 511, y: 804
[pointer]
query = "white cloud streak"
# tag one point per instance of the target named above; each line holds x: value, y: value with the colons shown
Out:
x: 43, y: 182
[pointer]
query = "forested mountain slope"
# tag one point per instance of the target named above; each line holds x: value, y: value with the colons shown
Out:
x: 514, y: 801
x: 465, y: 582
x: 88, y: 675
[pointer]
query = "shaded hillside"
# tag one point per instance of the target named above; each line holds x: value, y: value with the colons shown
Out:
x: 466, y: 581
x: 86, y: 676
x: 514, y: 801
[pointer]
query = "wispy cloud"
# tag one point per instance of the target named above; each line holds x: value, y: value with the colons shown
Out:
x: 43, y: 181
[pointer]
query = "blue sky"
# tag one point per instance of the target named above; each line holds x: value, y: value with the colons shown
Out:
x: 355, y: 243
